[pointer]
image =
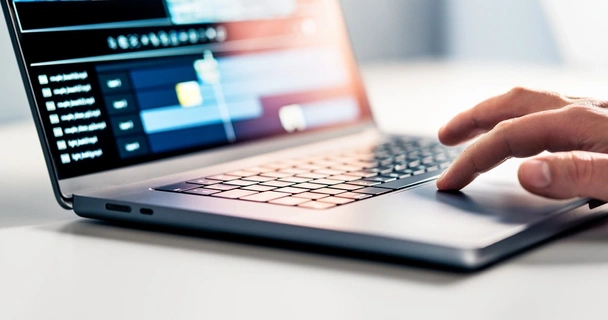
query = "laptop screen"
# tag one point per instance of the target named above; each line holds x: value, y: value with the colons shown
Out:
x: 118, y: 83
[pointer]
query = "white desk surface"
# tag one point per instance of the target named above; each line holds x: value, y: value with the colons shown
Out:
x: 54, y: 265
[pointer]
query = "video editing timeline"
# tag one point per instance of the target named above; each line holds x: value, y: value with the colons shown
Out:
x: 198, y: 101
x: 143, y: 90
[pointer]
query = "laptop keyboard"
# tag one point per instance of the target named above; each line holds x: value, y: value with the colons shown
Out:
x: 332, y: 179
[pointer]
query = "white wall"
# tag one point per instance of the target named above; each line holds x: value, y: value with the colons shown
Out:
x: 13, y: 102
x: 393, y: 29
x: 494, y: 30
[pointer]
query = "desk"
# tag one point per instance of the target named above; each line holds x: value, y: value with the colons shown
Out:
x: 54, y: 265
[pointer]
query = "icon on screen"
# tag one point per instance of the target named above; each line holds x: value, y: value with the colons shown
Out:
x: 50, y: 106
x: 292, y: 118
x: 144, y: 40
x: 207, y: 69
x: 58, y: 132
x: 123, y: 42
x: 189, y: 94
x: 65, y: 158
x: 164, y: 38
x: 43, y: 79
x: 211, y: 33
x: 47, y: 93
x: 154, y: 39
x: 112, y: 43
x: 61, y: 145
x: 193, y: 36
x: 54, y: 119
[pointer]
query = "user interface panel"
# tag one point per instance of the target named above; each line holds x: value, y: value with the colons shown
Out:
x: 120, y: 82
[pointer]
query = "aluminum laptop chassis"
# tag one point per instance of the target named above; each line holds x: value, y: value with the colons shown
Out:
x: 490, y: 220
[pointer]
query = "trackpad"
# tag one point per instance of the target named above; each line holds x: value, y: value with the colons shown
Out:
x: 491, y: 208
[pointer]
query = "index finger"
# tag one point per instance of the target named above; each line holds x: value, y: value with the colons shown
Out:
x: 521, y: 137
x: 486, y: 115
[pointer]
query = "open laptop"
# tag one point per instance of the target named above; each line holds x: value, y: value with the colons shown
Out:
x: 248, y: 117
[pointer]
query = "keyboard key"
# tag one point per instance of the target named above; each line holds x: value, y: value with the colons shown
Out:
x: 278, y: 165
x: 346, y: 168
x: 432, y: 168
x: 312, y: 175
x: 294, y: 170
x: 202, y: 192
x: 328, y: 182
x: 259, y: 169
x: 362, y: 174
x: 278, y: 184
x: 265, y: 196
x: 223, y: 177
x: 329, y: 171
x: 240, y: 183
x: 258, y: 179
x: 234, y: 194
x: 242, y: 173
x: 427, y: 160
x: 204, y: 182
x: 344, y: 178
x: 330, y: 191
x: 259, y: 188
x: 276, y: 174
x: 311, y: 196
x: 405, y: 182
x: 289, y: 201
x: 310, y: 186
x: 363, y: 183
x: 336, y: 200
x: 222, y: 187
x: 383, y: 170
x: 178, y: 187
x: 354, y: 196
x: 309, y: 166
x: 366, y: 164
x: 291, y: 190
x: 373, y: 191
x: 348, y: 187
x: 381, y: 179
x: 414, y: 164
x: 419, y: 171
x: 295, y: 179
x: 317, y: 205
x: 326, y: 163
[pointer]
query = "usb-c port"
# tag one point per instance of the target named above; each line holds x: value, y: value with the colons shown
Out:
x: 118, y: 207
x: 146, y: 211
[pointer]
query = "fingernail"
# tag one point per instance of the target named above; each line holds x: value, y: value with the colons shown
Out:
x: 539, y: 174
x: 440, y: 179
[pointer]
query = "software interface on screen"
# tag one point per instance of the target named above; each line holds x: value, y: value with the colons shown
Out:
x: 123, y: 82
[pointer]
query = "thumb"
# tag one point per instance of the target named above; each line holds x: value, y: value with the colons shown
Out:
x: 566, y: 175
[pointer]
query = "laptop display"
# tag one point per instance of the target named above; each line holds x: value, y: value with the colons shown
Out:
x: 118, y: 83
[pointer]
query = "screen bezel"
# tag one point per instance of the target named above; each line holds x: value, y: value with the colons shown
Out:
x: 65, y: 188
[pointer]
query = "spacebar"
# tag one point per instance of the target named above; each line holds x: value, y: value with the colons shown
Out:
x: 406, y: 182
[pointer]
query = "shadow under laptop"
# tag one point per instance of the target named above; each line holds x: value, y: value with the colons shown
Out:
x: 263, y: 249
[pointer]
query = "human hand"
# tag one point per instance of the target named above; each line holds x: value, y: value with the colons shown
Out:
x: 524, y: 123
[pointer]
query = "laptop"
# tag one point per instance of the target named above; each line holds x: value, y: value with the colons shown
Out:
x: 249, y: 119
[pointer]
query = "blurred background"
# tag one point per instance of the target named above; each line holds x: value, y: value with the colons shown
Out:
x: 547, y: 32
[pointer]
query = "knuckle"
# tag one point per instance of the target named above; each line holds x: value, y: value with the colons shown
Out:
x: 519, y: 91
x: 505, y: 126
x: 581, y: 168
